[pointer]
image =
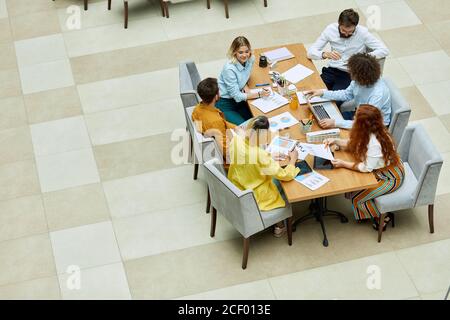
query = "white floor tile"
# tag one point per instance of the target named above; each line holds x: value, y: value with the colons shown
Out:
x: 40, y: 50
x: 349, y: 280
x: 84, y: 247
x: 60, y: 136
x: 438, y: 133
x: 102, y: 283
x: 427, y: 67
x: 46, y: 76
x: 437, y: 95
x: 168, y: 230
x: 3, y: 10
x: 154, y: 191
x: 66, y: 170
x: 394, y: 70
x: 428, y: 265
x: 444, y: 176
x: 129, y: 91
x: 133, y: 122
x: 385, y: 16
x: 258, y: 290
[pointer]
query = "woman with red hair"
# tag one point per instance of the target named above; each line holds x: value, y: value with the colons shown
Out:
x: 373, y: 150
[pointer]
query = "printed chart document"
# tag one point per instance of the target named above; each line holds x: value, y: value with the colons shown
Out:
x: 302, y: 152
x: 270, y: 103
x: 297, y: 73
x: 312, y: 181
x: 318, y: 150
x: 278, y: 54
x: 281, y: 145
x: 282, y: 121
x: 302, y: 98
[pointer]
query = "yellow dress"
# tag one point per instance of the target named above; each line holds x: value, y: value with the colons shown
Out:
x: 253, y: 168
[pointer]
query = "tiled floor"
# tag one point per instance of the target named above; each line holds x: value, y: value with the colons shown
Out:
x: 86, y: 178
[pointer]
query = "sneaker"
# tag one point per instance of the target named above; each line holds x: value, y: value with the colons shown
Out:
x: 278, y: 232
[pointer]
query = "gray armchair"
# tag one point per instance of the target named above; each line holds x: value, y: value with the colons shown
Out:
x: 423, y: 163
x: 189, y: 80
x: 125, y: 10
x: 240, y: 208
x: 401, y: 111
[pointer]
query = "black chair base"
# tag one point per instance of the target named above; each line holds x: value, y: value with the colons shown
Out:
x: 318, y: 209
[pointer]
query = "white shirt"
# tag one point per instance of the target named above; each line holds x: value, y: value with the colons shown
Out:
x: 374, y: 156
x: 359, y: 42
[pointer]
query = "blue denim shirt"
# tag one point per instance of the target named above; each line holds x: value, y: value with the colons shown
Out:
x: 233, y: 78
x: 377, y: 95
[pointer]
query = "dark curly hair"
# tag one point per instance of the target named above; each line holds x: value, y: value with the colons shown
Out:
x: 364, y: 69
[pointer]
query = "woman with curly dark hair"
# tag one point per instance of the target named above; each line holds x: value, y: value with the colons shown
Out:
x: 373, y: 150
x: 366, y: 87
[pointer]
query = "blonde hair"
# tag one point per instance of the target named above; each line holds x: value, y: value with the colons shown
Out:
x: 235, y: 45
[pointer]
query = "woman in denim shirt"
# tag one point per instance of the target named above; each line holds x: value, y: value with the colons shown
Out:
x: 234, y: 91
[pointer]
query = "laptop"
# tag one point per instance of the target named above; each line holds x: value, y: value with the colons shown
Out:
x: 325, y: 110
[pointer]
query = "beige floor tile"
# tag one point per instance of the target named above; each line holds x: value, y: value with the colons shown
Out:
x: 439, y: 295
x: 348, y: 280
x: 40, y: 50
x: 46, y: 76
x: 113, y: 37
x: 5, y: 31
x: 421, y: 71
x: 394, y: 71
x: 7, y: 56
x: 409, y: 40
x: 85, y: 247
x: 39, y: 289
x: 59, y: 136
x: 16, y: 145
x: 445, y: 119
x: 427, y: 265
x: 154, y: 191
x: 52, y: 105
x: 10, y: 83
x: 258, y: 290
x: 438, y: 133
x: 420, y: 107
x: 438, y: 95
x: 54, y: 175
x: 22, y: 217
x: 103, y: 283
x: 440, y: 31
x: 169, y: 230
x: 129, y: 91
x: 36, y: 24
x: 3, y: 9
x: 75, y: 207
x: 132, y: 122
x: 190, y: 271
x: 443, y: 185
x: 13, y: 113
x: 133, y: 157
x: 21, y: 7
x: 389, y: 17
x: 18, y: 179
x: 26, y: 259
x: 431, y: 11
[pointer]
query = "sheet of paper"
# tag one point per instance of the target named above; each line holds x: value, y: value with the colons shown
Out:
x: 312, y: 181
x: 318, y: 150
x: 270, y: 103
x: 281, y: 145
x: 278, y: 54
x: 302, y: 152
x: 297, y: 73
x: 282, y: 121
x: 302, y: 98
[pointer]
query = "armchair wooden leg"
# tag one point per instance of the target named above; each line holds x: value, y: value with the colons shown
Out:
x: 208, y: 4
x: 125, y: 12
x: 208, y: 202
x: 289, y: 230
x: 431, y: 217
x: 195, y: 171
x: 265, y: 3
x: 166, y: 9
x: 213, y: 222
x: 109, y: 4
x: 380, y: 226
x: 161, y: 3
x: 246, y: 249
x: 85, y: 4
x: 227, y: 15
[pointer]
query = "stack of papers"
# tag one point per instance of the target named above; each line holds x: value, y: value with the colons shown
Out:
x: 302, y: 98
x: 270, y: 103
x: 312, y: 181
x: 282, y: 121
x: 297, y: 73
x: 278, y: 54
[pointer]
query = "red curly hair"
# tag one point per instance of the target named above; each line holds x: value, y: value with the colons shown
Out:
x: 368, y: 120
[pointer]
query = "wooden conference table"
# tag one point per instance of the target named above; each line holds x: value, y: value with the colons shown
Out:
x: 341, y: 180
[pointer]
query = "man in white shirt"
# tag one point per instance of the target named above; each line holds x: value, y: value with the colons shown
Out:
x: 346, y: 39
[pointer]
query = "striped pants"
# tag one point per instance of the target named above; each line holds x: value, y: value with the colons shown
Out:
x: 389, y: 180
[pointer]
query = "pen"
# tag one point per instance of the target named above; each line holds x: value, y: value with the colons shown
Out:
x: 262, y: 84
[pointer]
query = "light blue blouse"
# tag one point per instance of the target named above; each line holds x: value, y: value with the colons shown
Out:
x: 233, y: 78
x: 377, y: 95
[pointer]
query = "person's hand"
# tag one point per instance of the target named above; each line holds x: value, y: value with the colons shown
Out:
x: 333, y: 55
x: 246, y: 89
x: 338, y: 163
x: 329, y: 142
x: 314, y: 93
x: 279, y: 156
x: 265, y: 92
x: 327, y: 123
x: 293, y: 156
